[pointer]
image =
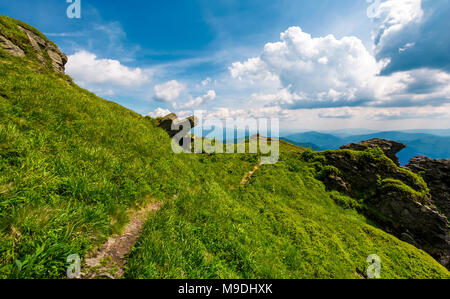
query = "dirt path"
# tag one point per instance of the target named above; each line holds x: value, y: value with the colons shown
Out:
x: 110, y: 260
x: 249, y: 175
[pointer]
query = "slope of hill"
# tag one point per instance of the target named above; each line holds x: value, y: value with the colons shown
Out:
x: 417, y: 144
x: 72, y: 164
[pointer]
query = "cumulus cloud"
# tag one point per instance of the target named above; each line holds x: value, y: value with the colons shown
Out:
x: 159, y: 112
x: 208, y: 97
x: 254, y: 69
x: 419, y: 87
x: 87, y: 68
x: 279, y: 97
x: 316, y: 72
x: 169, y: 91
x: 412, y: 34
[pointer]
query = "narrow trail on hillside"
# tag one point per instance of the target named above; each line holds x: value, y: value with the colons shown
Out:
x: 110, y: 260
x: 249, y: 175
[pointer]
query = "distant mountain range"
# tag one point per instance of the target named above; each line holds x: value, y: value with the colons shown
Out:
x: 431, y: 143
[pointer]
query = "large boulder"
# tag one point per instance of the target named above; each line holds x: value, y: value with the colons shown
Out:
x: 436, y: 173
x: 389, y: 147
x: 172, y: 125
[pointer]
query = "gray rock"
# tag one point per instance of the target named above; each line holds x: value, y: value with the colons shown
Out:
x: 414, y: 222
x: 335, y: 182
x: 436, y: 174
x: 170, y: 122
x: 10, y: 48
x: 36, y: 41
x: 406, y: 237
x: 58, y: 58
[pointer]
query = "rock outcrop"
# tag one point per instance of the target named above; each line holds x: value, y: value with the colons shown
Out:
x: 389, y: 147
x: 172, y: 125
x: 9, y: 47
x: 58, y: 58
x: 397, y: 199
x: 436, y: 174
x: 44, y: 49
x: 413, y: 222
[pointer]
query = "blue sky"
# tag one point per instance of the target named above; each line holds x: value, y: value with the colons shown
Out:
x: 315, y: 64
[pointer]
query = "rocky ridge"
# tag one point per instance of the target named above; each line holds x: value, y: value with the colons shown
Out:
x: 399, y: 200
x: 42, y: 48
x: 389, y: 147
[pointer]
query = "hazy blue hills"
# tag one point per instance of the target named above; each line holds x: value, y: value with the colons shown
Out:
x: 431, y: 143
x: 315, y: 140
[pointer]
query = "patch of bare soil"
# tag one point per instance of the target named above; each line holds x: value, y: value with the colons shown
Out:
x: 110, y: 260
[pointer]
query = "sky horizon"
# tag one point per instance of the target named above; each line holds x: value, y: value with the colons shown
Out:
x: 316, y: 65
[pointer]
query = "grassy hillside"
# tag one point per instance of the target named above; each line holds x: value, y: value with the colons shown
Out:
x: 72, y: 164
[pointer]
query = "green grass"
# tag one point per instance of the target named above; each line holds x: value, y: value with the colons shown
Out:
x: 283, y: 224
x: 72, y: 164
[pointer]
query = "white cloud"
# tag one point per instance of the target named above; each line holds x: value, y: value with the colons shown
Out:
x: 278, y: 97
x: 159, y: 112
x: 169, y: 91
x: 412, y: 34
x: 392, y: 16
x: 254, y: 69
x: 87, y: 69
x: 208, y: 97
x: 314, y: 71
x: 206, y: 81
x: 420, y: 87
